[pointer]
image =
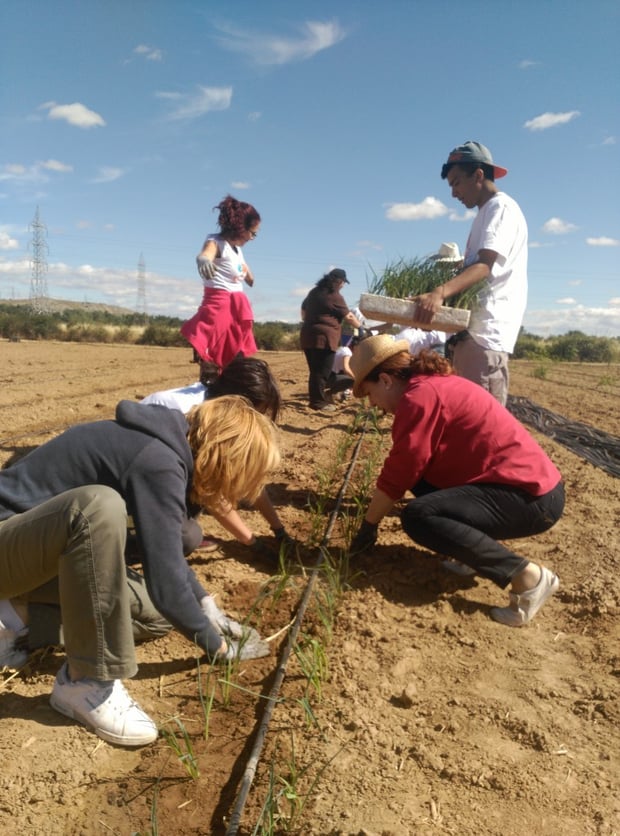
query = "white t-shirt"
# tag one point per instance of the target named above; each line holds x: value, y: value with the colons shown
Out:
x: 182, y: 399
x: 496, y: 318
x: 419, y: 339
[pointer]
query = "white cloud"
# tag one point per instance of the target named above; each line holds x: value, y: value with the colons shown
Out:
x: 539, y: 245
x: 556, y: 226
x: 467, y: 215
x: 270, y: 49
x: 603, y: 242
x: 36, y: 173
x: 575, y: 282
x: 13, y: 171
x: 151, y: 53
x: 107, y: 174
x: 601, y: 322
x: 8, y: 243
x: 567, y: 300
x: 192, y: 106
x: 56, y: 165
x: 254, y: 116
x: 430, y: 208
x: 615, y: 300
x: 239, y: 184
x: 75, y: 114
x: 526, y: 64
x: 550, y: 120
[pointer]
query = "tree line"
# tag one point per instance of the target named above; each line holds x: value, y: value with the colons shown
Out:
x: 83, y: 325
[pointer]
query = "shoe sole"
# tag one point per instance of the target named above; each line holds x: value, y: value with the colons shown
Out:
x: 118, y: 740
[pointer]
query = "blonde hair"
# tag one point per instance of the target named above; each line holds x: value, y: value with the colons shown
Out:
x: 234, y: 448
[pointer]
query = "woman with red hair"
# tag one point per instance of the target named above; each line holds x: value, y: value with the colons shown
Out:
x: 221, y: 329
x: 476, y: 474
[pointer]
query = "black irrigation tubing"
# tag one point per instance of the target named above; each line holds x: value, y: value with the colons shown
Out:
x: 599, y: 448
x: 250, y: 770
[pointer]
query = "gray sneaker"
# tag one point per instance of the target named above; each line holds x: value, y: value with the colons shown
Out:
x: 524, y: 606
x: 11, y: 655
x: 105, y: 707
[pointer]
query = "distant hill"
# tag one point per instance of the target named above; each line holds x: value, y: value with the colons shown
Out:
x: 60, y: 305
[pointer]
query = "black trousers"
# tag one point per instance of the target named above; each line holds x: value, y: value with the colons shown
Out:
x: 465, y: 523
x: 320, y: 362
x: 339, y: 383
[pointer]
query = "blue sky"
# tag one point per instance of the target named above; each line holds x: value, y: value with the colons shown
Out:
x: 125, y: 123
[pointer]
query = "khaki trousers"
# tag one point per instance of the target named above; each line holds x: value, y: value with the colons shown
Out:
x: 79, y: 538
x: 483, y: 366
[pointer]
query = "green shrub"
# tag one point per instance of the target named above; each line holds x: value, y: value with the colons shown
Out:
x: 576, y: 346
x: 529, y: 347
x: 157, y: 333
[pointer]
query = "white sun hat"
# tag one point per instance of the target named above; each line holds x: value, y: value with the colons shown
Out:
x: 448, y: 253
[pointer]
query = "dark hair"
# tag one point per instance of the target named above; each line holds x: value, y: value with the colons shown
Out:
x: 404, y: 366
x: 235, y: 216
x: 469, y: 168
x: 328, y: 282
x: 246, y: 376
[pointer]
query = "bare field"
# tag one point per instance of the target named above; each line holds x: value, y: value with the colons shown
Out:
x: 432, y: 719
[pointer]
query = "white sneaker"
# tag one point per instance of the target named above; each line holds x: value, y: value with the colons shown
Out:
x: 12, y: 656
x: 457, y: 568
x: 524, y: 606
x: 105, y: 707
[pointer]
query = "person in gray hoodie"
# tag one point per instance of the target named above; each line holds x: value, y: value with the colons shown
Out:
x: 63, y: 521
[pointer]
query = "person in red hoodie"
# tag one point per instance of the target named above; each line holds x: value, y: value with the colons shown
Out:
x: 477, y: 475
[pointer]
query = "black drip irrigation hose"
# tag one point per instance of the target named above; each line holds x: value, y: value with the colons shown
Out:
x: 252, y: 764
x: 595, y: 446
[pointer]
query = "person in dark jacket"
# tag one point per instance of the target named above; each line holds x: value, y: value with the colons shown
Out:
x: 63, y: 519
x: 323, y: 311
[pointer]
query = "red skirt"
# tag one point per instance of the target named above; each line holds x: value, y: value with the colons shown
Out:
x: 222, y: 327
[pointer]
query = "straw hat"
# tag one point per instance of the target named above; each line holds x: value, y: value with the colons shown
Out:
x: 448, y: 253
x: 370, y: 353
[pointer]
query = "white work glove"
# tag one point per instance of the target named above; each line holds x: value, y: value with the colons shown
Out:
x: 243, y: 641
x: 206, y: 268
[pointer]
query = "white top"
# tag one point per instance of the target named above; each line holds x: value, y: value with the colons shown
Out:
x: 182, y: 399
x: 341, y: 352
x: 230, y: 267
x: 419, y: 339
x: 499, y: 226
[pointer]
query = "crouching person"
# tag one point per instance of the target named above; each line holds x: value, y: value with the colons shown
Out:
x: 63, y: 515
x: 477, y: 475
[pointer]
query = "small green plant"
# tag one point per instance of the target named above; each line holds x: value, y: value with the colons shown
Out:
x: 312, y: 660
x: 206, y: 699
x: 154, y: 830
x: 182, y: 748
x: 228, y: 671
x: 540, y: 372
x: 286, y: 801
